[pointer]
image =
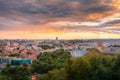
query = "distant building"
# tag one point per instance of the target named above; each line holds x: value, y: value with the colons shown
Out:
x: 6, y: 60
x: 2, y: 46
x: 100, y: 44
x: 14, y: 61
x: 56, y: 40
x: 34, y: 77
x: 19, y: 61
x: 8, y: 43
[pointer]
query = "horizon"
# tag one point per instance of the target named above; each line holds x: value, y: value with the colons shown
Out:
x: 46, y: 19
x: 61, y: 39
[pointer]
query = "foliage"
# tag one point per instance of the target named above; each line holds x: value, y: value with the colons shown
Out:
x: 14, y: 55
x: 29, y: 52
x: 16, y: 73
x: 46, y: 47
x: 50, y: 61
x: 3, y: 77
x: 59, y: 65
x: 56, y: 74
x: 92, y: 66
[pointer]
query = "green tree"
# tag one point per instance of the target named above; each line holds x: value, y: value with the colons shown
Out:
x: 17, y: 73
x: 50, y: 61
x: 116, y: 68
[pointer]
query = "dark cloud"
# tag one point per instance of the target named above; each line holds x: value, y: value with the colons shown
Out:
x: 113, y: 22
x: 57, y: 9
x: 43, y: 11
x: 100, y: 9
x: 23, y: 9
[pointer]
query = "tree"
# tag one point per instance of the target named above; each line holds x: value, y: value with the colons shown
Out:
x: 68, y: 70
x: 116, y: 68
x: 50, y: 61
x: 17, y: 73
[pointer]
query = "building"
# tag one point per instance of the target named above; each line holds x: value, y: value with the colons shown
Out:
x: 14, y: 61
x: 2, y: 46
x: 19, y: 61
x: 100, y: 44
x: 34, y: 77
x: 56, y: 40
x: 6, y: 60
x: 8, y: 43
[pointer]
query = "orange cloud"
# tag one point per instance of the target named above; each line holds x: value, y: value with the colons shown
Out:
x: 50, y: 18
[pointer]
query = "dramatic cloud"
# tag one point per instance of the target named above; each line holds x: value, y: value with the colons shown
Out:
x: 59, y: 16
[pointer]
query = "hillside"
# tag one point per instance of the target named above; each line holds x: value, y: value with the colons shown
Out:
x: 95, y: 52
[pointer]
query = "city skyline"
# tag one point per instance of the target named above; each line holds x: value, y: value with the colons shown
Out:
x: 66, y: 19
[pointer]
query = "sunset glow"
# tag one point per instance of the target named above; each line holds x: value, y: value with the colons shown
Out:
x: 46, y: 19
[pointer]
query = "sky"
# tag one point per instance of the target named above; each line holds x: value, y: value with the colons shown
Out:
x: 66, y: 19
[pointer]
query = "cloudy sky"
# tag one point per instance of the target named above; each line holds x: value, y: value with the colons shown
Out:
x: 67, y: 19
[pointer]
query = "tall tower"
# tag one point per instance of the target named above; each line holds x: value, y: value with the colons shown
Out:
x: 56, y: 40
x: 8, y: 43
